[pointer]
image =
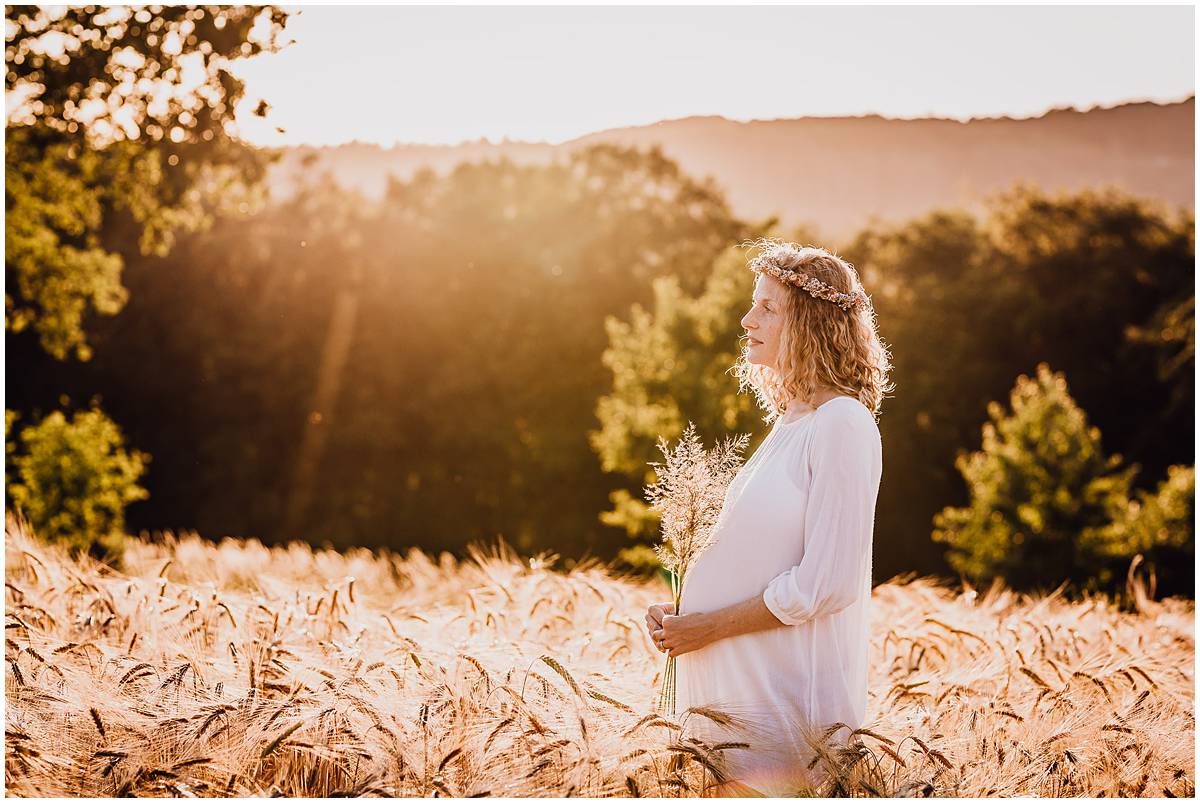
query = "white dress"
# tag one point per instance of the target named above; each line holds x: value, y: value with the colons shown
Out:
x: 796, y: 527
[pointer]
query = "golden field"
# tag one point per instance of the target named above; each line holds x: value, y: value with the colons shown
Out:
x: 235, y: 669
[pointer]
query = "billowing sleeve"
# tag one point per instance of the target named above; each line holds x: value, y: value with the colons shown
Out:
x: 846, y: 463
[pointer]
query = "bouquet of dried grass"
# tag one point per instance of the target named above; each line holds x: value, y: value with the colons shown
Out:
x: 688, y: 496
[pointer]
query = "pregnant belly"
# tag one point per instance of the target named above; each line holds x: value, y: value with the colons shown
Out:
x: 733, y: 570
x: 725, y: 575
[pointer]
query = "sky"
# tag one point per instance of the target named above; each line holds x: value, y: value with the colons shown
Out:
x: 444, y: 75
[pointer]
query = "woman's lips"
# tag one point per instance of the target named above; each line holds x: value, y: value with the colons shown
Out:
x: 754, y: 342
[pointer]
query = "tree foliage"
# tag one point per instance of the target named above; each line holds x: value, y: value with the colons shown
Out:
x: 1096, y: 281
x: 430, y: 369
x: 120, y: 134
x: 670, y: 364
x: 968, y: 303
x: 433, y: 359
x: 72, y: 479
x: 52, y: 248
x: 524, y: 263
x: 1159, y: 525
x: 120, y: 127
x: 1041, y: 489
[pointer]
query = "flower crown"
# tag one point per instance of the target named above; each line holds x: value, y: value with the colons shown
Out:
x: 810, y: 284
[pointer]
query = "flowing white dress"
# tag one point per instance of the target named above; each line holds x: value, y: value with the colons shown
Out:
x: 796, y: 527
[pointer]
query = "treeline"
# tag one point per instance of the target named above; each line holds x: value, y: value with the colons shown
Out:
x: 1096, y: 285
x: 495, y: 351
x: 429, y: 370
x: 418, y: 371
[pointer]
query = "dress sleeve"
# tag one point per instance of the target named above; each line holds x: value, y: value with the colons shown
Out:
x: 846, y: 462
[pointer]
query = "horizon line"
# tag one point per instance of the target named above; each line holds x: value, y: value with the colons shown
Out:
x: 1191, y: 96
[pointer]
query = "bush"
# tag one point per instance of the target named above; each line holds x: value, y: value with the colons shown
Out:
x: 669, y: 366
x: 1158, y: 526
x: 73, y: 479
x: 1043, y: 495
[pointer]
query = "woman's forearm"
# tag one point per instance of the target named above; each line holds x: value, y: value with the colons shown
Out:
x: 693, y: 631
x: 748, y: 616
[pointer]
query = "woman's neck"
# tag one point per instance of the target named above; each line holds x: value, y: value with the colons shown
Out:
x: 807, y: 405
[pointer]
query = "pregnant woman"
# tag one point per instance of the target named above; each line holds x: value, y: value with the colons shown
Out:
x: 775, y: 613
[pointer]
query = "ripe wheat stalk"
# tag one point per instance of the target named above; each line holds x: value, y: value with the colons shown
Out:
x: 231, y: 669
x: 688, y: 495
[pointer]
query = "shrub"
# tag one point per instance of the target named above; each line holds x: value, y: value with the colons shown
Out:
x: 73, y: 479
x: 1158, y: 526
x: 1043, y: 494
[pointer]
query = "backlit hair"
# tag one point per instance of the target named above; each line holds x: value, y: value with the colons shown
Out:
x: 821, y: 342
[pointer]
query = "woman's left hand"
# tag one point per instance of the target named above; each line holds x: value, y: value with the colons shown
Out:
x: 685, y: 633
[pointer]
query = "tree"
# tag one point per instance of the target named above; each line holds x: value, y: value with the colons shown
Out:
x: 1159, y: 526
x: 670, y: 365
x: 73, y: 480
x: 120, y: 133
x: 432, y: 359
x: 120, y: 127
x: 1042, y: 493
x: 525, y: 262
x: 1171, y: 334
x: 967, y: 303
x: 1079, y: 276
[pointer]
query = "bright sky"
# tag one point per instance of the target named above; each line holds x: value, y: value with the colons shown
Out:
x: 430, y: 74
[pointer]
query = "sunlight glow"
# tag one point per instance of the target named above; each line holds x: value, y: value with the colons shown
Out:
x: 429, y: 74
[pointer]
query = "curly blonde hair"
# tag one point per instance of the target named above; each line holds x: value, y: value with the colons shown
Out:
x: 820, y: 343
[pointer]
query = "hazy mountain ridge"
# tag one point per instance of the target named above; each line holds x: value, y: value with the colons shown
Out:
x: 838, y: 172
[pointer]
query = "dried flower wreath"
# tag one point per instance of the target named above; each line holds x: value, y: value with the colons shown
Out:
x: 809, y: 284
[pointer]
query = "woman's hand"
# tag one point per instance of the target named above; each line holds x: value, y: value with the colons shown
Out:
x: 654, y: 617
x: 681, y: 634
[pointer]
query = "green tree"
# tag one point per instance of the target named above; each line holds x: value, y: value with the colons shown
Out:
x: 525, y: 262
x: 1171, y: 334
x: 1042, y: 493
x: 422, y: 368
x: 1159, y: 526
x: 670, y: 365
x: 119, y: 127
x: 73, y: 479
x: 1098, y: 283
x: 119, y: 134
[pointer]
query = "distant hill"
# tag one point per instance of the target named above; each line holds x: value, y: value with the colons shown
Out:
x: 838, y: 172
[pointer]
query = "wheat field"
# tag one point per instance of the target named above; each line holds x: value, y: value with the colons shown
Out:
x: 233, y: 669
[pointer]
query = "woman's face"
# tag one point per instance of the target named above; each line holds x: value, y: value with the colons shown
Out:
x: 764, y: 322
